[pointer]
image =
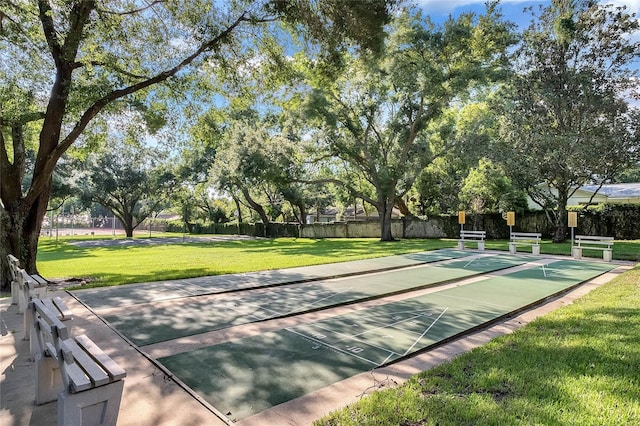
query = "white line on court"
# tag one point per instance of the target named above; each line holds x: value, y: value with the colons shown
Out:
x: 427, y: 330
x: 376, y: 316
x: 257, y: 307
x: 390, y: 325
x: 332, y: 347
x: 334, y: 294
x: 474, y: 300
x: 356, y: 340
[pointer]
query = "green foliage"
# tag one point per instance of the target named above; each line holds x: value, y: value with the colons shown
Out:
x: 565, y: 121
x: 128, y: 183
x: 68, y: 62
x: 378, y: 118
x: 487, y: 189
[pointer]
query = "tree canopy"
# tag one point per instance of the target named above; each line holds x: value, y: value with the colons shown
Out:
x: 376, y: 117
x: 566, y: 120
x: 66, y: 64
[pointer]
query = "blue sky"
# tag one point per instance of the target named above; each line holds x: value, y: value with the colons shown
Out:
x: 511, y: 9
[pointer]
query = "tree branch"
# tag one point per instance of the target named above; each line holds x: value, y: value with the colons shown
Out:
x: 77, y: 65
x: 49, y: 29
x: 94, y: 109
x: 132, y: 12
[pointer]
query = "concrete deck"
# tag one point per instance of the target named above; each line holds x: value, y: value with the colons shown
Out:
x: 153, y: 398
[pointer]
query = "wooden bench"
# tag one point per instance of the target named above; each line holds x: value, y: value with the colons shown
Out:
x: 589, y: 242
x: 476, y: 236
x: 525, y: 238
x: 86, y: 382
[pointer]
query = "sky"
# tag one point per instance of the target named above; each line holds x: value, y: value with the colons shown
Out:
x: 511, y: 9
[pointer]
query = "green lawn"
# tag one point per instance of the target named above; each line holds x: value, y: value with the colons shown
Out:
x: 575, y: 366
x: 129, y: 264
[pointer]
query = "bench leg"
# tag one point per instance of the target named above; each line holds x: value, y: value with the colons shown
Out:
x: 27, y: 324
x: 15, y: 292
x: 480, y: 245
x: 535, y: 249
x: 40, y: 292
x: 607, y: 255
x: 460, y: 244
x: 48, y: 379
x: 23, y: 301
x: 97, y: 406
x: 576, y: 252
x: 512, y: 248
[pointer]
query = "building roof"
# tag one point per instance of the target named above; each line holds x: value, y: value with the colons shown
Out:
x: 616, y: 190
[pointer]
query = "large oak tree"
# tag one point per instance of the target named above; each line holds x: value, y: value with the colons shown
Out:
x: 376, y: 118
x: 64, y: 63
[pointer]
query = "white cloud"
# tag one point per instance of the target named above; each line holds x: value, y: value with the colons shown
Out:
x: 633, y: 6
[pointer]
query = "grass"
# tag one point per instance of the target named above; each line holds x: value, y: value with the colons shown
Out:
x: 575, y: 366
x: 130, y: 264
x: 116, y: 265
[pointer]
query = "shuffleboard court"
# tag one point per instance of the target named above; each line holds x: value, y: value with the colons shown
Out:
x: 167, y: 290
x: 154, y: 322
x: 247, y: 376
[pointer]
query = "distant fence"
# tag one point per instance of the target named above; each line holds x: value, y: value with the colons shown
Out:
x: 619, y: 221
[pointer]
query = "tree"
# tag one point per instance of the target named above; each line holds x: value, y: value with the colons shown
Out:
x: 128, y: 184
x: 566, y: 121
x: 64, y: 63
x: 377, y: 117
x: 487, y: 189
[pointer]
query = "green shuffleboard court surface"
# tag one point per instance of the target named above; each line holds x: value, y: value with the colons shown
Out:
x: 132, y: 294
x: 247, y: 376
x: 150, y: 323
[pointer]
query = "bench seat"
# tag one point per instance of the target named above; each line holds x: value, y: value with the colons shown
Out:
x: 591, y: 242
x: 475, y: 236
x: 525, y: 238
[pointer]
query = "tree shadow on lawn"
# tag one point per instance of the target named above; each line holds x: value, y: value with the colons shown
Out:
x: 558, y: 371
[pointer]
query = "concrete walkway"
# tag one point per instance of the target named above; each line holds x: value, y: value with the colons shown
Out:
x: 150, y: 398
x: 153, y: 398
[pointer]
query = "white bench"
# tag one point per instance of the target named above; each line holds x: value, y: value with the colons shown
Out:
x: 57, y: 306
x: 476, y: 236
x: 14, y: 265
x: 87, y: 383
x: 525, y: 238
x: 28, y: 287
x: 588, y: 242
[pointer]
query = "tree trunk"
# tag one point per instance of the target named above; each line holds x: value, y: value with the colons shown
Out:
x: 258, y: 208
x: 402, y: 206
x: 20, y: 231
x: 561, y: 216
x: 385, y: 210
x: 128, y: 229
x: 237, y: 202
